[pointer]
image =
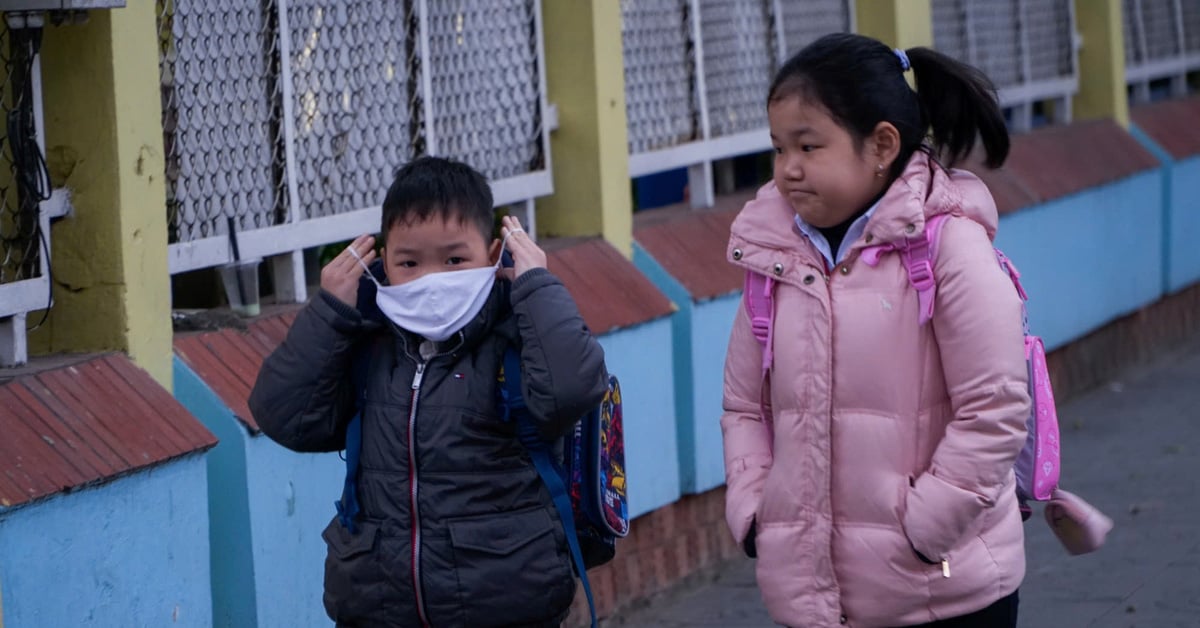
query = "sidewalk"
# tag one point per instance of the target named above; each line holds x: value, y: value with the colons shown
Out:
x: 1131, y: 448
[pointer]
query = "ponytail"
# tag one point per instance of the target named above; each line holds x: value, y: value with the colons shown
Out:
x: 960, y: 104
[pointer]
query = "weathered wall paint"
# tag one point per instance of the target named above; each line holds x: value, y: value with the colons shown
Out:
x: 132, y: 552
x: 291, y: 502
x: 104, y: 138
x: 268, y: 507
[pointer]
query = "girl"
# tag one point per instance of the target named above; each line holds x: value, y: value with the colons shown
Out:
x: 871, y: 465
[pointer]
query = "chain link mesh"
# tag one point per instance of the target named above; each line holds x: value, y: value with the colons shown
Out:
x: 19, y: 241
x: 950, y: 29
x: 1051, y: 39
x: 988, y: 34
x: 998, y: 41
x: 1160, y: 26
x: 739, y: 58
x: 485, y: 95
x: 804, y: 22
x: 1133, y: 35
x: 354, y: 95
x: 1191, y: 25
x: 221, y: 122
x: 660, y: 101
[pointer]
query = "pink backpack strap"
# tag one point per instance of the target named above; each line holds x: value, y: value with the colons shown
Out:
x: 757, y: 297
x: 918, y: 254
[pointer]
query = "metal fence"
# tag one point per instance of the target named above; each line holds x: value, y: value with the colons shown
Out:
x: 1162, y: 41
x: 696, y: 75
x: 27, y: 202
x: 1027, y: 47
x: 289, y: 116
x: 19, y: 242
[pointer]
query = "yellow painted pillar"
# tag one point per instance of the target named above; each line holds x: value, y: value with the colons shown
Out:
x: 104, y: 142
x: 897, y: 23
x: 585, y: 79
x: 1101, y: 62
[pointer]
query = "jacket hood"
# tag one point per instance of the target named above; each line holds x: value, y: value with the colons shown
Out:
x: 925, y: 189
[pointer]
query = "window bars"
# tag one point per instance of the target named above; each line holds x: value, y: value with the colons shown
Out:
x: 1026, y: 47
x: 1162, y: 43
x: 697, y: 73
x: 290, y: 116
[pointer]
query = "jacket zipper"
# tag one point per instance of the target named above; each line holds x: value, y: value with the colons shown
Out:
x: 413, y: 482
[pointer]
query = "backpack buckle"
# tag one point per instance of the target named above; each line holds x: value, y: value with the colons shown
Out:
x: 920, y: 274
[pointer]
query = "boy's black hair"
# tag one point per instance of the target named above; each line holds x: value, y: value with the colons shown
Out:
x: 860, y: 82
x: 435, y: 186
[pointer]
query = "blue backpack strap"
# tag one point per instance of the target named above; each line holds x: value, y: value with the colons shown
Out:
x: 347, y: 506
x: 541, y: 454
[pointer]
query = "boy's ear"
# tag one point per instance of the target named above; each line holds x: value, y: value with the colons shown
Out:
x: 885, y: 143
x: 494, y: 250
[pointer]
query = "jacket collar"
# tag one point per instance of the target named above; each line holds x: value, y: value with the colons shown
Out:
x: 925, y: 189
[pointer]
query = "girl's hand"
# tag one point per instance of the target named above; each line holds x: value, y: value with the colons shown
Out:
x: 340, y: 276
x: 525, y: 252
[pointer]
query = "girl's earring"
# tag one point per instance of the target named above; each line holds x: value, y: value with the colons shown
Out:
x: 879, y: 171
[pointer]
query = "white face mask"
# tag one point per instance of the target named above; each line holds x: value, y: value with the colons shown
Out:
x: 436, y: 305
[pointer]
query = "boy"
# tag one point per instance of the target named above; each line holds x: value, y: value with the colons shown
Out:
x: 455, y: 526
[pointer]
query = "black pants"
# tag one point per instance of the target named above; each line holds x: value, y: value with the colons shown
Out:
x: 1002, y: 614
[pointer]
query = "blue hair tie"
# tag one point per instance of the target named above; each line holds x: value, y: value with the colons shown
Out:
x: 903, y: 56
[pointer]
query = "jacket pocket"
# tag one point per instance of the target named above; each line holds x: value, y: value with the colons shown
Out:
x: 355, y: 586
x: 512, y: 568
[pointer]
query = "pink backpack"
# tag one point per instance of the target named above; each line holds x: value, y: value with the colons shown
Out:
x: 1079, y: 526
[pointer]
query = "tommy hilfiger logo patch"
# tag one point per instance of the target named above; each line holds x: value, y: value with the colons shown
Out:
x: 459, y: 376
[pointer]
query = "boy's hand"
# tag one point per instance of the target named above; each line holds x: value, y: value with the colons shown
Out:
x: 340, y: 277
x: 525, y: 252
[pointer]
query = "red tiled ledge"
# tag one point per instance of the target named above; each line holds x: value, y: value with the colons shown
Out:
x: 1056, y: 161
x: 690, y: 244
x: 228, y: 359
x: 84, y: 423
x: 610, y: 291
x: 1172, y: 124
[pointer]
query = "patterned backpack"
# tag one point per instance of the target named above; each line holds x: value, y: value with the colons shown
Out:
x: 1079, y: 526
x: 588, y: 485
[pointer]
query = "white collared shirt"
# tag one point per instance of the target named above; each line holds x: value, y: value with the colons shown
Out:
x: 818, y: 240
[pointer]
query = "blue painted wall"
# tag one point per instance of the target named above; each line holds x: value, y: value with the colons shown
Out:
x: 291, y: 502
x: 1181, y: 190
x: 133, y: 552
x: 641, y: 358
x: 711, y: 324
x: 1184, y: 230
x: 268, y: 506
x: 1088, y: 258
x: 700, y: 332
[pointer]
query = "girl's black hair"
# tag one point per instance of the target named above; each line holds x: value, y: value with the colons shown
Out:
x: 860, y: 81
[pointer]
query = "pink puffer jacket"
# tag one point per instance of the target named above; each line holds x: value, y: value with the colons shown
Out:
x: 885, y: 437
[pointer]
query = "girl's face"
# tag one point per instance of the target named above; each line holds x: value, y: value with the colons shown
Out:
x: 818, y: 169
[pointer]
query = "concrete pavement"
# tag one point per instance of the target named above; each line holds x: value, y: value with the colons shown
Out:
x: 1131, y: 448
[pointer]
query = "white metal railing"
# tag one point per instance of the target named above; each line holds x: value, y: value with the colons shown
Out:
x: 289, y: 116
x: 1162, y: 41
x: 1027, y: 47
x: 25, y: 277
x: 697, y: 73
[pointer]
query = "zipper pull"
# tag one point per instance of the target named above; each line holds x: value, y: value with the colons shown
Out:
x: 416, y: 385
x: 945, y: 568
